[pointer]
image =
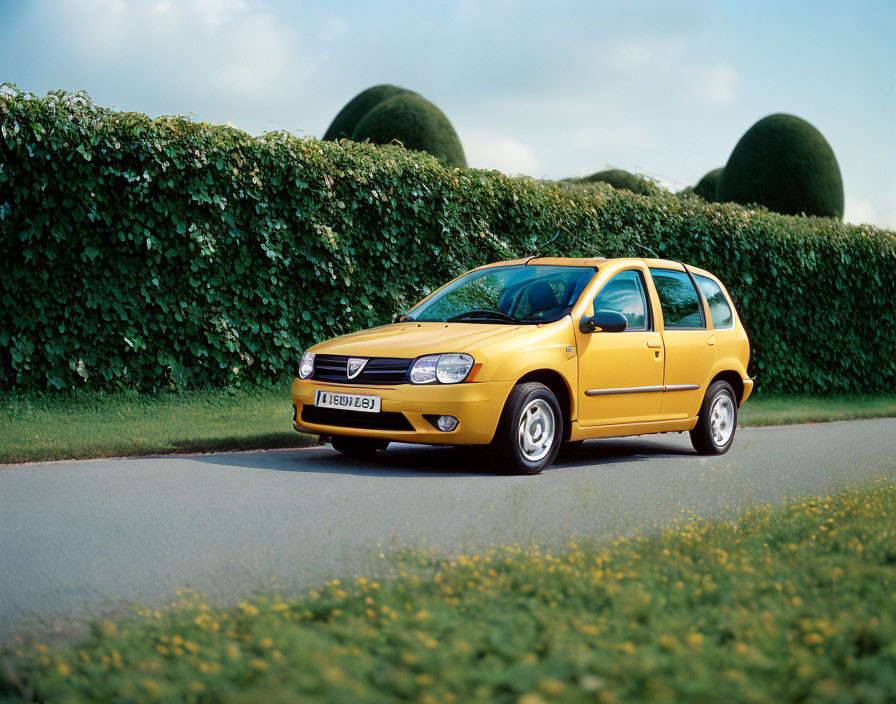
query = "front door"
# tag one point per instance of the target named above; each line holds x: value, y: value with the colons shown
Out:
x: 621, y: 373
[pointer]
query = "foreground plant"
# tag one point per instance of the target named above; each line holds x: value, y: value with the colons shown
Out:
x: 783, y: 605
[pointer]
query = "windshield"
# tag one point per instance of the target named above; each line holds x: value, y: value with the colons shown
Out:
x: 510, y: 294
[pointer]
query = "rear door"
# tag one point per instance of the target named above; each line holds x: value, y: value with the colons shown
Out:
x: 690, y: 345
x: 621, y: 373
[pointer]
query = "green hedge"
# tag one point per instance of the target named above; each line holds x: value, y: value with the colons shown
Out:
x: 152, y: 253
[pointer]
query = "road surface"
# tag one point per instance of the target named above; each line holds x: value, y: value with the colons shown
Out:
x: 79, y: 540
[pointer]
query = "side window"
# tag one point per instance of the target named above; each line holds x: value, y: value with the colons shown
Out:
x: 625, y: 294
x: 719, y: 309
x: 678, y: 299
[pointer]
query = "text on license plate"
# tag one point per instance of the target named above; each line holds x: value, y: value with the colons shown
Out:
x: 348, y: 402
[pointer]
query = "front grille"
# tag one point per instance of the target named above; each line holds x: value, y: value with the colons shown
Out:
x: 355, y: 419
x: 378, y: 370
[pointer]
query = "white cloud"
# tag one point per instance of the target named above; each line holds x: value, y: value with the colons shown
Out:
x: 224, y: 60
x: 860, y: 211
x: 713, y: 86
x: 489, y: 150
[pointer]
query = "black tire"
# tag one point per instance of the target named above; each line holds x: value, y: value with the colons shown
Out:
x: 507, y: 446
x: 361, y: 448
x: 717, y: 421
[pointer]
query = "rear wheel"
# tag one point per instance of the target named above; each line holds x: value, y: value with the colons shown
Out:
x: 358, y: 447
x: 530, y: 430
x: 714, y: 432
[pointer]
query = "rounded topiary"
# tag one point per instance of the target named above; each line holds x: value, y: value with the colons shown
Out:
x: 347, y: 120
x: 706, y: 187
x: 785, y: 164
x: 620, y: 178
x: 416, y: 123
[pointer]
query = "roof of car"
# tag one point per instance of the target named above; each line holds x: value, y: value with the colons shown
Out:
x: 598, y: 262
x: 578, y: 261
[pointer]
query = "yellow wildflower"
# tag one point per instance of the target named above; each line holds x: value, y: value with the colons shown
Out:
x: 695, y: 640
x: 152, y: 686
x: 551, y: 686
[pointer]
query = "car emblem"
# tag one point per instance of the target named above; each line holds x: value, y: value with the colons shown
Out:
x: 355, y: 366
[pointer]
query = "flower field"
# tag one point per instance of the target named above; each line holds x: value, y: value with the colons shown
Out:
x: 782, y: 605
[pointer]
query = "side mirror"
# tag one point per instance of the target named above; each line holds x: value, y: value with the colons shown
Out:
x: 603, y: 321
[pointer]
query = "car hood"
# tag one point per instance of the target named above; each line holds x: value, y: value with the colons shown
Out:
x: 412, y: 339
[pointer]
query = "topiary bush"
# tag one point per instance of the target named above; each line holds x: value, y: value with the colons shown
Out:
x: 344, y: 124
x: 151, y: 253
x: 706, y: 187
x: 785, y: 164
x: 619, y: 178
x: 416, y: 123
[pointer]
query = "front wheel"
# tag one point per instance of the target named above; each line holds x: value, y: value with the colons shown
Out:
x: 361, y: 448
x: 530, y: 430
x: 714, y: 432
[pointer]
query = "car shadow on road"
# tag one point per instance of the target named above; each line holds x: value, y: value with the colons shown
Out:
x: 435, y: 461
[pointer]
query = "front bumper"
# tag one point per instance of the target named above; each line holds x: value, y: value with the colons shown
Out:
x: 477, y: 406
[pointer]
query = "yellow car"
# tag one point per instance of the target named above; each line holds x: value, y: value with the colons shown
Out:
x: 531, y: 355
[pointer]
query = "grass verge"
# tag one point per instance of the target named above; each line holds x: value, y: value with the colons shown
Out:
x: 83, y: 425
x: 785, y: 605
x: 788, y: 410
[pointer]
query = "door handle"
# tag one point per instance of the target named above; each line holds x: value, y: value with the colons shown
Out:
x: 654, y: 343
x: 711, y: 340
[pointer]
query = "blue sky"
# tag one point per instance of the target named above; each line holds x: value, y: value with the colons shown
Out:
x: 546, y: 89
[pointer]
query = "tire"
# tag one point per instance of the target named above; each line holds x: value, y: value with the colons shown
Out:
x: 717, y: 421
x: 360, y: 448
x: 526, y: 445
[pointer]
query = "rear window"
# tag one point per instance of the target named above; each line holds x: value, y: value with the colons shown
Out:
x: 678, y: 299
x: 719, y: 310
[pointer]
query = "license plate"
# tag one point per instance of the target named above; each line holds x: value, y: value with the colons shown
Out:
x: 348, y: 402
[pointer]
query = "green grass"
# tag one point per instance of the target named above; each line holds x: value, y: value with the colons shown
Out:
x: 788, y: 605
x: 763, y: 410
x: 82, y: 425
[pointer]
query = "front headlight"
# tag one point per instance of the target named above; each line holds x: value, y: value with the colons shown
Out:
x: 450, y: 368
x: 307, y: 365
x: 453, y: 368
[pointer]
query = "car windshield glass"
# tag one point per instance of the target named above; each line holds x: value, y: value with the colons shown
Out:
x: 509, y: 295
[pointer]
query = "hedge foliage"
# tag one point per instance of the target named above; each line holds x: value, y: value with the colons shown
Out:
x: 147, y: 253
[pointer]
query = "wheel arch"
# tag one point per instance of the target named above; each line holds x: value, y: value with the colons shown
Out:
x: 734, y: 379
x: 559, y: 386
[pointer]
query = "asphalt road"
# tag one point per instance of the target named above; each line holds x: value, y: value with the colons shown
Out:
x: 83, y: 539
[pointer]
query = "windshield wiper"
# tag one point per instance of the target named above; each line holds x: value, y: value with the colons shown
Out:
x: 484, y: 314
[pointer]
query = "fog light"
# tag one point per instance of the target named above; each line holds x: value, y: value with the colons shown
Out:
x: 446, y: 423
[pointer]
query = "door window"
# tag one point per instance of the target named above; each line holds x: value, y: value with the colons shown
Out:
x: 625, y: 294
x: 719, y: 310
x: 678, y: 299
